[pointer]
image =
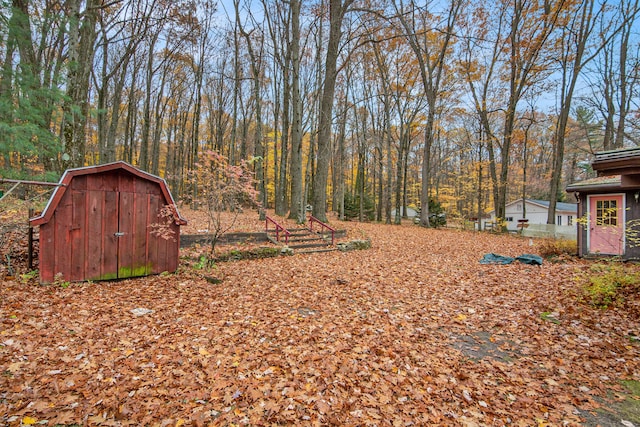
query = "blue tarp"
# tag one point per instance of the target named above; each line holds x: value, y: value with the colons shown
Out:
x: 496, y: 259
x: 501, y: 259
x: 530, y: 259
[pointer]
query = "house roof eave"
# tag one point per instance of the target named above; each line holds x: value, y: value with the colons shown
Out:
x: 608, y: 183
x: 617, y: 162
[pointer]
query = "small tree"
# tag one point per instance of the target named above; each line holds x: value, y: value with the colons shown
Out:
x: 437, y: 216
x: 163, y: 228
x: 357, y: 208
x: 223, y: 190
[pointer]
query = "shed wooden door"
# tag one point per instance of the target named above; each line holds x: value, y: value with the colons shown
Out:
x: 101, y: 254
x: 606, y: 224
x: 118, y: 236
x: 136, y: 244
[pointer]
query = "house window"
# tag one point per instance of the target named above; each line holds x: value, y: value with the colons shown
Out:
x: 519, y: 207
x: 559, y: 220
x: 607, y: 212
x: 569, y: 219
x: 509, y: 219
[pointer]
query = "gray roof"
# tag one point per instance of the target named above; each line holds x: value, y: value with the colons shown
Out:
x: 560, y: 206
x: 624, y: 153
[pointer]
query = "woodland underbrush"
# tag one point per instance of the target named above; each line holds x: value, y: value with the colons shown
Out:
x: 611, y: 284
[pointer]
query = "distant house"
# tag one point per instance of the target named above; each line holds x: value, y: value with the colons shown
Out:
x: 610, y: 204
x: 536, y: 211
x: 410, y: 213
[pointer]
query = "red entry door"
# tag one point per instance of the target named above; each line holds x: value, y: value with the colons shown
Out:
x: 606, y: 225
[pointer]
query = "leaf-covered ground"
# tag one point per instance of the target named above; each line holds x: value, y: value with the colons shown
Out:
x: 411, y: 332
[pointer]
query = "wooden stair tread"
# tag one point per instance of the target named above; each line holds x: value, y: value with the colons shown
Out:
x: 302, y: 240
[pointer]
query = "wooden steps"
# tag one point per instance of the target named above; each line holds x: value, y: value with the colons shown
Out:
x: 303, y: 240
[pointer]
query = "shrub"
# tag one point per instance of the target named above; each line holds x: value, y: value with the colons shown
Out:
x: 437, y: 216
x: 223, y: 187
x: 606, y: 285
x: 553, y: 248
x: 352, y: 207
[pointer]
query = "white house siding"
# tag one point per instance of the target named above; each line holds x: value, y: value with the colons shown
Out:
x: 411, y: 213
x: 567, y: 232
x: 536, y: 213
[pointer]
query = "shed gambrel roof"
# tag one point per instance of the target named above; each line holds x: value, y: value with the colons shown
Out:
x: 69, y: 174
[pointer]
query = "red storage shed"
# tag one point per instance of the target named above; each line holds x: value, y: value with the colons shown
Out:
x: 96, y: 225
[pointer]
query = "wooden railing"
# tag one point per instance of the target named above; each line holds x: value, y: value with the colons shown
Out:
x: 323, y: 226
x: 278, y: 228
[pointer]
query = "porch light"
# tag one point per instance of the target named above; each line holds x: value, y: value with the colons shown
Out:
x: 636, y: 196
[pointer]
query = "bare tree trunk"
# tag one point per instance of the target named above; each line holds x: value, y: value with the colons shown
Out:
x: 361, y: 135
x: 144, y: 160
x: 259, y: 144
x: 82, y: 36
x: 280, y: 172
x: 480, y: 210
x: 431, y: 66
x: 160, y: 108
x: 380, y: 171
x: 572, y: 61
x: 199, y: 67
x: 236, y: 96
x: 220, y: 121
x: 405, y: 161
x: 137, y: 36
x: 384, y: 77
x: 627, y: 78
x: 339, y: 155
x: 610, y: 108
x: 339, y: 181
x: 399, y: 175
x: 279, y: 22
x: 296, y: 210
x: 480, y: 98
x: 337, y: 10
x: 131, y: 122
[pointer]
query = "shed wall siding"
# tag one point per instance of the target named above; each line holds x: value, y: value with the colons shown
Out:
x: 633, y: 226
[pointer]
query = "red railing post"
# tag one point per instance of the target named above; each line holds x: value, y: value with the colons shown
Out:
x: 313, y: 219
x: 279, y: 229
